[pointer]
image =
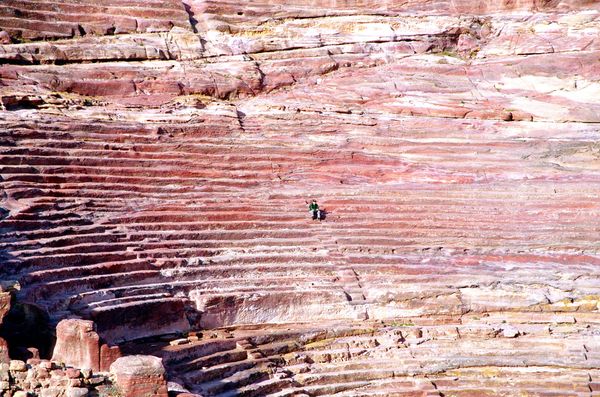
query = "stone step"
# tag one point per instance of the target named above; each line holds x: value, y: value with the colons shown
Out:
x: 342, y: 376
x: 88, y: 283
x: 66, y: 273
x: 289, y: 243
x: 217, y: 372
x: 277, y: 349
x: 332, y: 388
x: 211, y: 360
x: 123, y: 300
x: 262, y: 388
x: 181, y: 355
x: 235, y: 381
x: 397, y: 388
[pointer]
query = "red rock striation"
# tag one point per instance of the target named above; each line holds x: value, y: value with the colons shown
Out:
x: 34, y: 20
x: 156, y: 158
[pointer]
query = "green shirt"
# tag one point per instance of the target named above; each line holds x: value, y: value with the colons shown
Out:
x: 313, y: 207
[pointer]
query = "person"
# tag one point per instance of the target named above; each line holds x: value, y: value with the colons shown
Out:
x: 314, y: 208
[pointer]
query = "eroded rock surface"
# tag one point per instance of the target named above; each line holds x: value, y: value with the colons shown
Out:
x: 78, y: 345
x: 140, y: 376
x: 156, y: 158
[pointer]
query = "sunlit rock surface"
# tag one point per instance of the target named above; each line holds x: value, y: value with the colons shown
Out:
x: 157, y: 158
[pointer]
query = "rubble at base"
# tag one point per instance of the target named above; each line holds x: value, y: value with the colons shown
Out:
x: 46, y: 378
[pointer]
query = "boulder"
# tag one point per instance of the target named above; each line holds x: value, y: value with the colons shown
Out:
x: 77, y: 344
x: 509, y: 331
x: 51, y: 392
x: 73, y: 373
x: 17, y: 366
x: 77, y: 392
x: 4, y: 37
x: 140, y: 376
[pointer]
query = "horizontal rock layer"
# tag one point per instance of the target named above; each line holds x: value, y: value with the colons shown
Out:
x: 156, y: 160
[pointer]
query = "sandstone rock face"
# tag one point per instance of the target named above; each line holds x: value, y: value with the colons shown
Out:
x: 33, y: 20
x: 140, y: 376
x: 78, y: 345
x: 156, y: 158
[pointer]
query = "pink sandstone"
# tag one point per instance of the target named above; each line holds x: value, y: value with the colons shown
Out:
x: 140, y: 376
x: 156, y: 157
x: 78, y: 345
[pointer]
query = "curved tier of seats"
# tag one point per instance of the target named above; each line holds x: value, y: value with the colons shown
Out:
x: 382, y: 359
x: 48, y: 20
x: 162, y: 191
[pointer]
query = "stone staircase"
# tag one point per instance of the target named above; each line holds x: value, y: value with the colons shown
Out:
x: 377, y: 359
x: 156, y: 158
x: 98, y: 231
x: 34, y: 20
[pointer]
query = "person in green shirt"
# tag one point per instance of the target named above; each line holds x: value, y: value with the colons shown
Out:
x: 314, y: 208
